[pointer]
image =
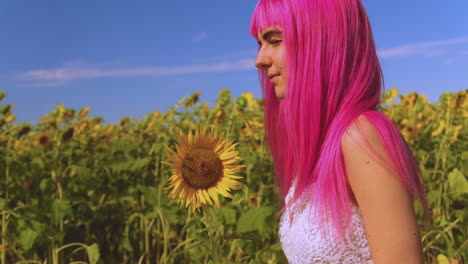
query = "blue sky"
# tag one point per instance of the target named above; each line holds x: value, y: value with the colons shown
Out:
x: 130, y: 58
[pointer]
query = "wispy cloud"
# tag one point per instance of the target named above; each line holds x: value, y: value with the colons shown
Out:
x: 431, y: 48
x: 456, y: 57
x: 200, y: 36
x: 79, y: 71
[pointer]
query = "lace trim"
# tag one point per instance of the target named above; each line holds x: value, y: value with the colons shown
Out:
x: 303, y: 243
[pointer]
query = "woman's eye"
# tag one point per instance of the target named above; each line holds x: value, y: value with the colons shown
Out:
x: 276, y: 41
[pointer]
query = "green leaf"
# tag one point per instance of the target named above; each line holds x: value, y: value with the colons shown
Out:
x: 464, y: 158
x: 2, y: 203
x: 218, y: 217
x: 149, y: 193
x: 433, y: 196
x: 191, y: 223
x: 93, y: 253
x: 80, y: 171
x: 254, y: 219
x: 37, y: 162
x: 44, y: 184
x: 120, y: 166
x: 458, y: 182
x: 60, y: 209
x: 276, y: 247
x: 229, y: 215
x: 141, y: 163
x: 26, y: 238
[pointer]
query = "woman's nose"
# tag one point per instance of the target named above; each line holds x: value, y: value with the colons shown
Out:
x: 263, y: 61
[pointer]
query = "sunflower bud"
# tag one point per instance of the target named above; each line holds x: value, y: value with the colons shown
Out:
x: 224, y: 98
x: 241, y: 103
x: 458, y: 100
x: 6, y: 109
x: 24, y: 130
x: 192, y: 100
x: 456, y: 131
x: 68, y: 114
x: 410, y: 100
x: 390, y: 95
x: 439, y: 130
x: 2, y: 95
x: 83, y: 113
x: 68, y: 134
x: 9, y: 118
x: 125, y: 121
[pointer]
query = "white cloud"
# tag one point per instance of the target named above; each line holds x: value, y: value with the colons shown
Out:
x: 79, y: 71
x: 200, y: 36
x: 431, y: 48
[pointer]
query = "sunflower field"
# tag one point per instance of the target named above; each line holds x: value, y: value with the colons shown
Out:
x: 74, y: 190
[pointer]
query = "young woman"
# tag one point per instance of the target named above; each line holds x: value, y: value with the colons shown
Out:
x: 346, y: 174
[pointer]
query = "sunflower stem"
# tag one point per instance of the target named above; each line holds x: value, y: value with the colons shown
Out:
x: 4, y: 216
x: 187, y: 245
x: 208, y: 219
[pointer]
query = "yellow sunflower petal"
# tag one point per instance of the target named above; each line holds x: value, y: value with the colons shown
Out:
x: 208, y: 197
x: 214, y: 195
x: 224, y: 193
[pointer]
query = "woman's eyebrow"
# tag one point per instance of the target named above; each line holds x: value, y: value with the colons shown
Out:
x: 271, y: 32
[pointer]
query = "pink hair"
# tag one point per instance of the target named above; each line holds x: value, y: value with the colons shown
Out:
x: 334, y: 76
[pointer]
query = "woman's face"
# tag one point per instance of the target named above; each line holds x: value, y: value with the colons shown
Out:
x: 270, y: 57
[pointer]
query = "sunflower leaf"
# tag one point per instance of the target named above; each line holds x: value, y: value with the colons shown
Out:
x: 93, y: 253
x: 255, y: 219
x: 229, y: 215
x: 27, y: 238
x: 458, y: 182
x: 141, y: 163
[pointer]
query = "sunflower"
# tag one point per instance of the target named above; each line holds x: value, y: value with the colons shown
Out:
x: 68, y: 134
x: 42, y: 140
x: 203, y: 167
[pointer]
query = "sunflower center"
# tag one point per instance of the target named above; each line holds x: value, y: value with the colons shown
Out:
x: 201, y: 168
x: 43, y: 140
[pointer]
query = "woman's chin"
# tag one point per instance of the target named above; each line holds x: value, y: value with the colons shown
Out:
x: 279, y: 94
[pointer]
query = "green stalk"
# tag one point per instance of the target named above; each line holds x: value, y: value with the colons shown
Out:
x: 4, y: 219
x: 158, y: 226
x: 54, y: 254
x: 208, y: 220
x: 230, y: 120
x: 147, y: 251
x: 142, y: 224
x: 56, y: 177
x: 187, y: 244
x: 165, y: 229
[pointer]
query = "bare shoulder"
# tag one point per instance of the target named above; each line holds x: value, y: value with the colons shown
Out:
x: 385, y: 203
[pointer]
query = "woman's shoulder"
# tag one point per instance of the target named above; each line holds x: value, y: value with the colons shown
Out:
x: 383, y: 197
x: 371, y: 129
x: 361, y: 129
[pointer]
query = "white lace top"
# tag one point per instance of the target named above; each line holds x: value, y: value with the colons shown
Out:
x: 302, y: 242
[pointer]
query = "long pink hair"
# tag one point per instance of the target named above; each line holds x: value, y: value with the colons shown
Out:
x: 334, y: 76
